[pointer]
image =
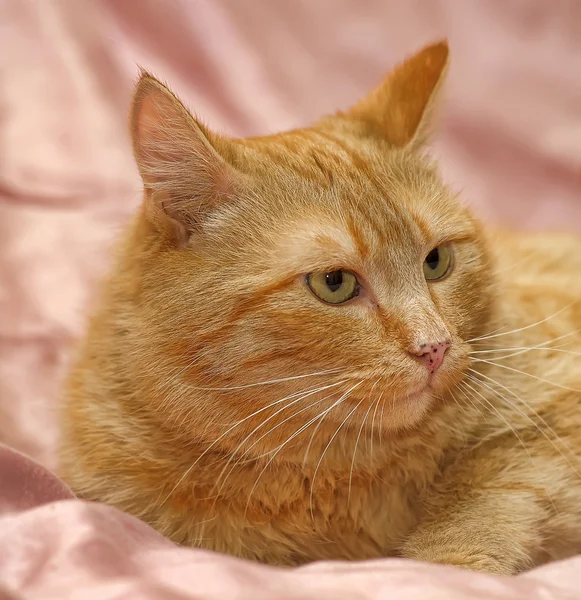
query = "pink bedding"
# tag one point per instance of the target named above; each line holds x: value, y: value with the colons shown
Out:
x: 510, y: 139
x: 52, y: 546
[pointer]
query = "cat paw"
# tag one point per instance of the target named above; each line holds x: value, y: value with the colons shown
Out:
x: 471, y: 560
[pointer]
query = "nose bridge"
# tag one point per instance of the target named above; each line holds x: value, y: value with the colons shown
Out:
x: 423, y: 325
x: 409, y: 311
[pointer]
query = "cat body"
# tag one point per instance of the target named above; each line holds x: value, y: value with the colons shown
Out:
x: 309, y: 349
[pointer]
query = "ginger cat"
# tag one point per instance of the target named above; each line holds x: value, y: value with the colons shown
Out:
x: 309, y: 349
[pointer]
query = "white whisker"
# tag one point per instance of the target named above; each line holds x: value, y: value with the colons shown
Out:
x: 473, y: 404
x: 331, y: 441
x: 221, y: 437
x: 262, y: 383
x: 373, y: 425
x: 292, y: 437
x: 523, y: 349
x: 490, y: 336
x: 363, y: 421
x: 500, y: 366
x: 522, y: 413
x: 511, y: 428
x: 241, y: 445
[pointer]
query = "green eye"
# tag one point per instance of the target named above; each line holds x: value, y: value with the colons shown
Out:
x: 334, y: 287
x: 438, y: 263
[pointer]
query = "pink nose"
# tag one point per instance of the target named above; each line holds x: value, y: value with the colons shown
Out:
x: 432, y: 355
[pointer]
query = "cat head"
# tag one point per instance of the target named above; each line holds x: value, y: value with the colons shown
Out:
x: 290, y: 283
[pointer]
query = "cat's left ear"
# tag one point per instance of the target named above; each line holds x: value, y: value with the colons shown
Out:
x: 401, y: 108
x: 184, y: 166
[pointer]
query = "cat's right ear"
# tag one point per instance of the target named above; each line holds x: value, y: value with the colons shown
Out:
x: 401, y: 108
x: 183, y: 173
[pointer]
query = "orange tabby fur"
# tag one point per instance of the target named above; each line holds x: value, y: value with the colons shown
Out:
x: 217, y: 399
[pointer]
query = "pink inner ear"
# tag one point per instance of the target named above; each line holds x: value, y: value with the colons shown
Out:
x: 161, y: 133
x: 147, y: 123
x: 184, y: 175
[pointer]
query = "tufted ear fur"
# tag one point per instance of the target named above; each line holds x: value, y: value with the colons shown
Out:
x: 400, y: 108
x: 183, y: 173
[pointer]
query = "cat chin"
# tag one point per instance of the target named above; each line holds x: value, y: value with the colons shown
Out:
x: 404, y: 413
x: 452, y: 371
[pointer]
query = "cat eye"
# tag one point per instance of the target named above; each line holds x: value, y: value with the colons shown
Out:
x: 438, y: 263
x: 333, y: 287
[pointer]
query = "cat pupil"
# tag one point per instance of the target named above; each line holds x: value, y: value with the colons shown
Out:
x: 334, y: 280
x: 433, y: 259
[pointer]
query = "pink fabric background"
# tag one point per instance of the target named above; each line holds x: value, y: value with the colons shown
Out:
x: 55, y: 547
x: 510, y: 139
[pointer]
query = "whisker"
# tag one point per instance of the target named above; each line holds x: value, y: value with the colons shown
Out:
x: 529, y: 407
x: 501, y: 366
x: 489, y: 333
x: 511, y: 428
x: 373, y: 425
x: 173, y: 378
x: 501, y: 346
x: 499, y: 413
x: 221, y: 437
x: 516, y: 264
x: 245, y: 453
x: 181, y: 371
x: 292, y: 437
x: 524, y: 349
x: 321, y: 421
x: 330, y: 442
x: 270, y: 452
x: 268, y: 382
x: 323, y: 415
x: 381, y: 416
x: 363, y: 421
x: 475, y: 394
x: 490, y: 336
x: 472, y: 403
